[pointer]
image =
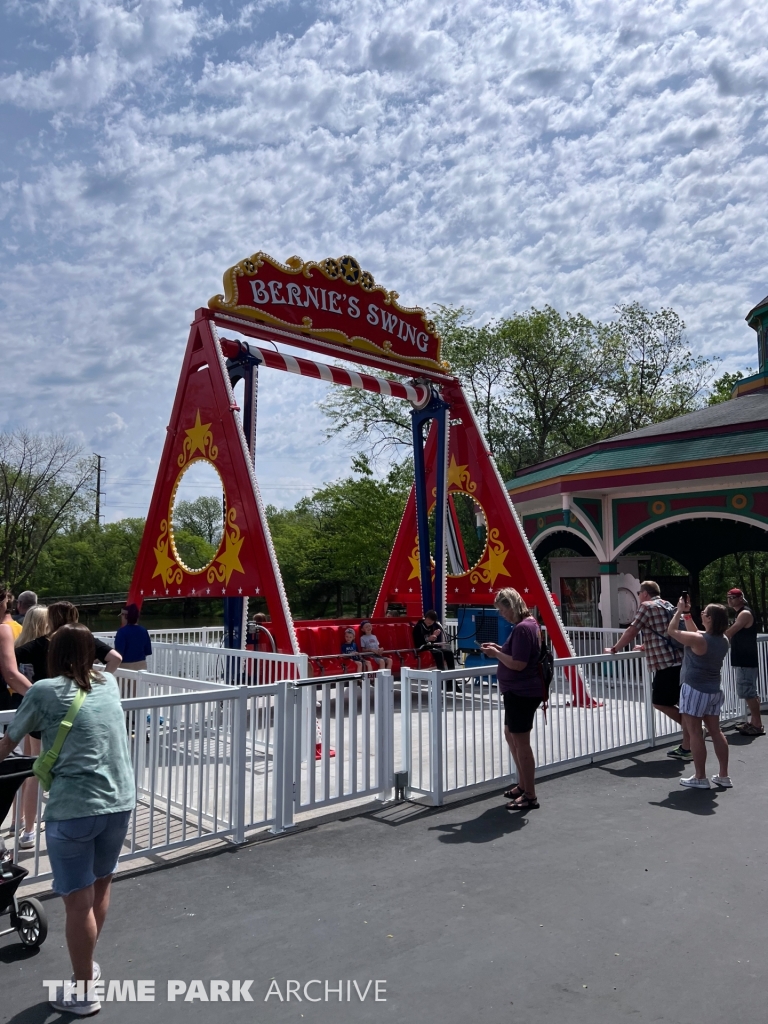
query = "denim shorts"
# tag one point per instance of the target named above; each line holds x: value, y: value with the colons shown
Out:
x: 83, y: 849
x: 746, y: 681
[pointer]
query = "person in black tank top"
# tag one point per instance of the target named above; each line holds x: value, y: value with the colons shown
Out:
x: 744, y: 661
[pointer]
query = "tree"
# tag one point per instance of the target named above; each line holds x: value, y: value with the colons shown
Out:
x: 747, y: 570
x: 542, y: 383
x: 43, y: 490
x: 89, y: 559
x: 333, y: 547
x: 202, y: 517
x: 657, y: 377
x: 555, y: 382
x: 721, y: 388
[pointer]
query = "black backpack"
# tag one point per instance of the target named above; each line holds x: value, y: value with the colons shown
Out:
x: 546, y: 667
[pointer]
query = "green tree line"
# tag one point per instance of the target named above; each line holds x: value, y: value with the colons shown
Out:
x: 541, y: 383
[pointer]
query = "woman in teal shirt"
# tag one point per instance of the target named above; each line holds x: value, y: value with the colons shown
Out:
x: 91, y: 796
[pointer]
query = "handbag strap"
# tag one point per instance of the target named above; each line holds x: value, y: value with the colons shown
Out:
x: 66, y: 723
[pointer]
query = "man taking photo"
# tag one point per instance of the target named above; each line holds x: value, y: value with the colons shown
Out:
x: 664, y: 657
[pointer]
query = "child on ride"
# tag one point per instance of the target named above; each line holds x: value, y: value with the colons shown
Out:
x: 370, y: 646
x: 350, y: 652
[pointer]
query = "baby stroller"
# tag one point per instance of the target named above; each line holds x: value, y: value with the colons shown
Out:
x: 27, y: 915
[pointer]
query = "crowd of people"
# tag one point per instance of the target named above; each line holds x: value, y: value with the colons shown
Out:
x: 49, y: 672
x: 686, y: 663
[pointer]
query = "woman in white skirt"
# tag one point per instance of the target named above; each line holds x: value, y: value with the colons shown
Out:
x: 701, y: 696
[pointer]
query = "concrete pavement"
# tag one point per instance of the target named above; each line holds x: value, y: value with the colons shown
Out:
x: 624, y: 897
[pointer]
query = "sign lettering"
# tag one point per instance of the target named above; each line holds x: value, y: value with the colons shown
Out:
x: 334, y: 300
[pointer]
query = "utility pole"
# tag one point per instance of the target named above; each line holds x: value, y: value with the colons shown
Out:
x: 99, y: 460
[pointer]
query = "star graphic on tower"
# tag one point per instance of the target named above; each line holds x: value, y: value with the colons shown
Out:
x: 456, y: 473
x: 229, y: 559
x: 495, y: 563
x: 197, y: 435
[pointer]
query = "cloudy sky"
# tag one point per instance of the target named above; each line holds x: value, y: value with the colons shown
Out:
x: 492, y: 154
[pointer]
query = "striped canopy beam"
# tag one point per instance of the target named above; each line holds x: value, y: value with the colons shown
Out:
x: 417, y: 394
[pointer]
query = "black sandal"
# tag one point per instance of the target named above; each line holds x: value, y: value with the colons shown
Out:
x: 514, y: 793
x: 524, y: 803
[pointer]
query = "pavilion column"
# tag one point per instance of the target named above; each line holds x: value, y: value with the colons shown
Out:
x: 609, y: 594
x: 694, y: 590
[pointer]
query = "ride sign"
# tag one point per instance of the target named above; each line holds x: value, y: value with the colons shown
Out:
x: 334, y: 300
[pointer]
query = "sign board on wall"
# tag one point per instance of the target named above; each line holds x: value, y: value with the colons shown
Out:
x: 335, y: 300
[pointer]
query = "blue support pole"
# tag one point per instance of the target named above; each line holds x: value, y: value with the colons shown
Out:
x: 432, y: 596
x: 246, y: 368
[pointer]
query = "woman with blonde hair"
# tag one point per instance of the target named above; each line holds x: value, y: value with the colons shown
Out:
x: 35, y: 624
x: 521, y: 688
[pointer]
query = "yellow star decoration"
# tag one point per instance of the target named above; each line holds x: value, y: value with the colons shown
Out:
x: 229, y: 559
x: 198, y: 435
x: 164, y: 562
x: 456, y: 473
x: 166, y: 567
x: 494, y: 565
x: 413, y: 558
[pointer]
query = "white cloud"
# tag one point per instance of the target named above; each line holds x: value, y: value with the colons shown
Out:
x: 480, y: 154
x: 110, y: 43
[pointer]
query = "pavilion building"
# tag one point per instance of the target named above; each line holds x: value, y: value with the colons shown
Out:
x: 694, y: 488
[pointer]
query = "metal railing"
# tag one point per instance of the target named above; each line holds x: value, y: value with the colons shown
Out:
x: 587, y: 640
x: 452, y: 723
x: 225, y: 665
x: 206, y: 636
x: 215, y: 759
x: 340, y: 738
x: 203, y: 763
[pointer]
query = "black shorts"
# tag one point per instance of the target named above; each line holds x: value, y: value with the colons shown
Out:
x: 666, y: 687
x: 519, y: 712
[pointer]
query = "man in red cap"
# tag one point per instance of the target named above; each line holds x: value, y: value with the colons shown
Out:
x: 743, y: 637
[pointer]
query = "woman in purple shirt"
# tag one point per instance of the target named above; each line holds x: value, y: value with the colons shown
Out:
x: 521, y: 687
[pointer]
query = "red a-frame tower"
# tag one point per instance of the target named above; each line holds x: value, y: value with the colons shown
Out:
x: 335, y: 309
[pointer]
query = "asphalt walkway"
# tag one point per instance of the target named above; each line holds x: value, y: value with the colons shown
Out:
x: 625, y: 897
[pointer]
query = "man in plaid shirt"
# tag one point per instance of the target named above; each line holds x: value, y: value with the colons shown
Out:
x: 664, y: 657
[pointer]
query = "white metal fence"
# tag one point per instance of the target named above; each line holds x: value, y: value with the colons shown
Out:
x: 588, y: 641
x: 452, y: 723
x: 222, y: 664
x: 208, y: 636
x: 341, y: 738
x: 216, y: 759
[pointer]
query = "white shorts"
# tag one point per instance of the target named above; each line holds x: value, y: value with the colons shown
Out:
x: 698, y: 704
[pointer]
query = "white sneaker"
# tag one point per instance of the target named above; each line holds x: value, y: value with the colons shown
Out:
x: 66, y: 1001
x: 27, y: 840
x: 96, y: 972
x: 693, y: 783
x: 723, y: 780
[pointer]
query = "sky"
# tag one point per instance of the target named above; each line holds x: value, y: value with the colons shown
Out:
x: 495, y: 155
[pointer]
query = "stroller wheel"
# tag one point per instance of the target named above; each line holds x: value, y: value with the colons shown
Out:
x: 31, y: 922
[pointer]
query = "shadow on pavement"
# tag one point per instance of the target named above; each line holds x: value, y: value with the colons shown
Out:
x: 38, y: 1014
x: 493, y: 823
x: 735, y: 739
x: 694, y: 801
x: 13, y: 952
x: 667, y: 769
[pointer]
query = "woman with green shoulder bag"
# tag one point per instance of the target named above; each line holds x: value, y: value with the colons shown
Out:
x: 91, y: 795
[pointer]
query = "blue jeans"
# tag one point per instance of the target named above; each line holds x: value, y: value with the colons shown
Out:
x: 84, y: 849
